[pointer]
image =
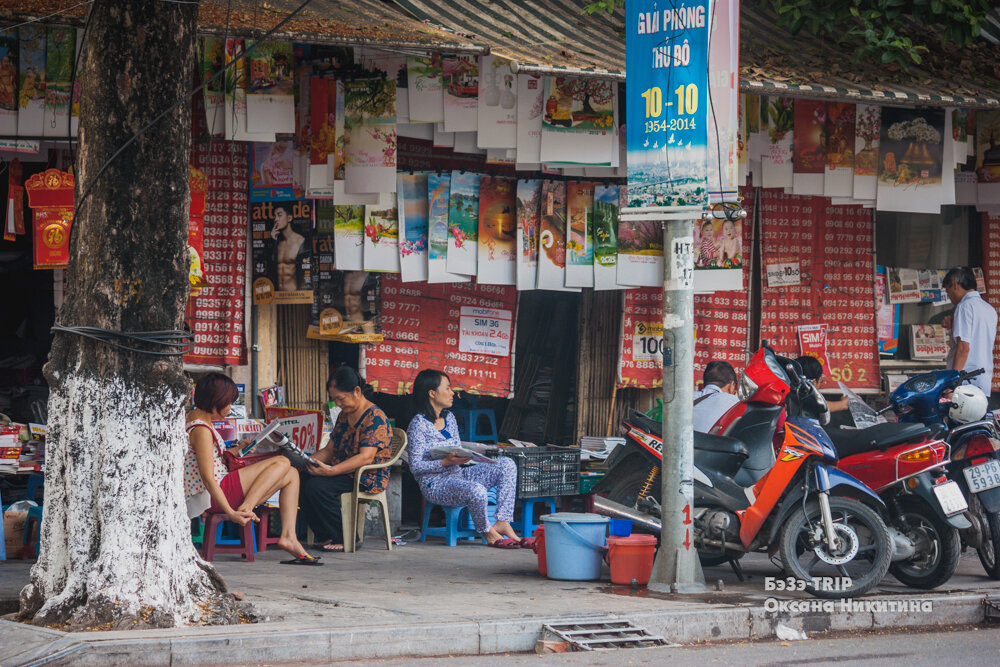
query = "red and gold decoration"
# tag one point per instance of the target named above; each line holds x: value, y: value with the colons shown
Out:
x: 50, y: 196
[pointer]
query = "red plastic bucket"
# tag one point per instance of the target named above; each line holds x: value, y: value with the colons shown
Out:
x: 539, y: 549
x: 631, y: 558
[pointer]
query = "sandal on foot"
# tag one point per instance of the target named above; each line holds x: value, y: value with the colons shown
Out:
x: 304, y: 559
x: 527, y: 543
x: 334, y: 548
x: 505, y: 543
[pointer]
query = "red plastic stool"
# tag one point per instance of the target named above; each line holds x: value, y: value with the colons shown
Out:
x: 263, y: 539
x: 209, y: 548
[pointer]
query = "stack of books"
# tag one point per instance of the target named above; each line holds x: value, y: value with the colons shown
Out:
x: 10, y: 448
x: 596, y: 448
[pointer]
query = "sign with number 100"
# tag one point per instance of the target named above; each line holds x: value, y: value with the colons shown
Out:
x: 666, y: 49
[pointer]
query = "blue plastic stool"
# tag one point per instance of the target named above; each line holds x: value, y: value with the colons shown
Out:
x: 233, y: 538
x: 452, y: 530
x: 469, y: 414
x: 35, y: 480
x: 527, y: 523
x: 31, y: 546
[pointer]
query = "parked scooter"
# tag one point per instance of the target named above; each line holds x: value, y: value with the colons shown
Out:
x: 974, y: 442
x: 821, y: 519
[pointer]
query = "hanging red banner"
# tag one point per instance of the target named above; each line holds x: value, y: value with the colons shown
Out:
x: 425, y: 325
x: 832, y: 248
x: 50, y: 196
x: 216, y: 313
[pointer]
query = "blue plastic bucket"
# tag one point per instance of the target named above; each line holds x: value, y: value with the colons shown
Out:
x: 574, y: 545
x: 620, y: 527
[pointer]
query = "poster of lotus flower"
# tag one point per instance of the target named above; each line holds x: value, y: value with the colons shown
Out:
x: 529, y: 195
x: 369, y: 136
x: 411, y: 190
x: 463, y: 224
x: 910, y: 160
x: 497, y: 231
x: 381, y: 240
x: 552, y: 238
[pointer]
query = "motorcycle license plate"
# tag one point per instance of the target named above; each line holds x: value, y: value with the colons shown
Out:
x: 951, y: 498
x: 983, y: 476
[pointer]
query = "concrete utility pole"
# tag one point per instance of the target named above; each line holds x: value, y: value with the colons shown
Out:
x: 677, y: 568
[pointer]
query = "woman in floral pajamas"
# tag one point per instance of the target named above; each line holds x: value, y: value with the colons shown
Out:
x: 445, y: 481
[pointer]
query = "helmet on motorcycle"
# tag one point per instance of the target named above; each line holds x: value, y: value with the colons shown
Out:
x: 968, y: 403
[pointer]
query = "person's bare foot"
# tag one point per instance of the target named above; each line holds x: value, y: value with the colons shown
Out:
x: 506, y: 530
x: 493, y: 535
x: 292, y: 546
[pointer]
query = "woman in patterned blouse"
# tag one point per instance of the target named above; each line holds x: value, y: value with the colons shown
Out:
x: 360, y: 437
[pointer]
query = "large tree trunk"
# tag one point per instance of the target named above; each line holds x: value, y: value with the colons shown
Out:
x: 115, y: 543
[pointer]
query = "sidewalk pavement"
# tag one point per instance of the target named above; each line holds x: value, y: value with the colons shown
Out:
x: 430, y: 600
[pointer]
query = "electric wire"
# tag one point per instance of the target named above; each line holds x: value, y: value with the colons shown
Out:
x: 183, y: 341
x: 47, y: 16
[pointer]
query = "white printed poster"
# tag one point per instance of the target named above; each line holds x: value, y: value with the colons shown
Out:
x: 777, y: 123
x: 552, y: 238
x: 723, y: 118
x: 31, y: 93
x: 369, y: 136
x: 529, y: 194
x: 497, y: 231
x: 348, y: 237
x: 605, y: 226
x: 485, y: 331
x: 463, y: 224
x: 60, y: 51
x: 867, y: 132
x: 426, y: 92
x: 578, y: 121
x: 461, y: 93
x: 910, y: 161
x: 8, y: 83
x: 394, y: 66
x: 381, y: 239
x: 412, y: 199
x: 438, y: 202
x: 988, y: 157
x: 640, y: 253
x: 579, y: 228
x: 212, y: 60
x: 235, y: 116
x: 529, y: 120
x: 497, y: 109
x: 270, y: 88
x: 838, y: 177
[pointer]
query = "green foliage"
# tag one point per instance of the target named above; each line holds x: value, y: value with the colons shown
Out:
x: 876, y: 26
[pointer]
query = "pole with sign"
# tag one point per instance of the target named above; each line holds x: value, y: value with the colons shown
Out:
x: 667, y: 144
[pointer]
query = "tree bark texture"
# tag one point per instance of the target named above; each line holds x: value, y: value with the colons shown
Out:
x: 115, y: 542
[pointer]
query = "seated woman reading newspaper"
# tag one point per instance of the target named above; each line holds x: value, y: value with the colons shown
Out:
x: 444, y: 481
x: 208, y: 485
x: 360, y: 437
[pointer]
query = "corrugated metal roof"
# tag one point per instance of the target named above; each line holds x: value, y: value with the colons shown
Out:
x: 555, y: 35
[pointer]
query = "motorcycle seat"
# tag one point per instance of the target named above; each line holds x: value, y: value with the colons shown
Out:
x: 720, y: 444
x: 646, y: 424
x: 848, y: 442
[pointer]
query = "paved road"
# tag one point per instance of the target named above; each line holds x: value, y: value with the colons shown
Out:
x: 968, y: 647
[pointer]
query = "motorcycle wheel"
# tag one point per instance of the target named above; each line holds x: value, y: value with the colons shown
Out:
x: 861, y: 532
x: 625, y: 490
x: 990, y: 546
x: 938, y: 548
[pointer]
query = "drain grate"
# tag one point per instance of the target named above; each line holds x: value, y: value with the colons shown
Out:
x: 602, y: 634
x: 991, y: 609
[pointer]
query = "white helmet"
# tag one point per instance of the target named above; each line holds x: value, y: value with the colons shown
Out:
x: 968, y: 404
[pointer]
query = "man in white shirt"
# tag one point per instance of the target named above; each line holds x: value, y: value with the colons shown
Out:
x: 973, y: 328
x: 717, y: 396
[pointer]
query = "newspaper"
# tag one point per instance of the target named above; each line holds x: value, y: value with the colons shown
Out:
x: 470, y: 449
x: 862, y: 414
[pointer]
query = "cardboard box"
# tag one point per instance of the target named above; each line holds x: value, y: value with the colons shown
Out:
x: 13, y: 531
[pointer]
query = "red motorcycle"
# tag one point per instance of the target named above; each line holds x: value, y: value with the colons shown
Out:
x: 904, y: 464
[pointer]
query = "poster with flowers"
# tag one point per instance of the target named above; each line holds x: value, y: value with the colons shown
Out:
x: 552, y: 238
x: 60, y: 48
x: 270, y: 89
x: 580, y: 244
x: 369, y: 136
x: 529, y: 196
x: 867, y: 133
x: 910, y: 160
x: 604, y: 224
x: 578, y: 120
x: 778, y: 121
x: 31, y: 94
x: 348, y: 237
x: 461, y: 93
x: 381, y: 241
x: 411, y: 190
x: 530, y: 89
x: 838, y: 179
x: 463, y: 223
x: 497, y: 231
x: 988, y: 157
x: 497, y: 105
x: 212, y: 59
x: 640, y: 251
x: 426, y: 89
x: 438, y: 205
x: 809, y: 142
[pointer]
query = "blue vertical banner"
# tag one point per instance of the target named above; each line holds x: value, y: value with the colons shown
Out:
x: 666, y: 47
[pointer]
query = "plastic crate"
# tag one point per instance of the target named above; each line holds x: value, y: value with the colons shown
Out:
x: 543, y: 471
x: 588, y: 480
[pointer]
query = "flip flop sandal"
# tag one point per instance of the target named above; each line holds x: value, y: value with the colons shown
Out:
x: 527, y: 543
x: 334, y: 548
x: 505, y: 543
x: 304, y: 559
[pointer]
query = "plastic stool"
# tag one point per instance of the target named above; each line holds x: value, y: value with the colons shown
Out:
x: 452, y: 531
x: 263, y: 539
x: 30, y: 549
x: 470, y: 424
x: 527, y: 523
x: 213, y: 544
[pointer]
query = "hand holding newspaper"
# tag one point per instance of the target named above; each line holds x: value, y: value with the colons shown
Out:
x: 470, y: 449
